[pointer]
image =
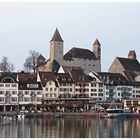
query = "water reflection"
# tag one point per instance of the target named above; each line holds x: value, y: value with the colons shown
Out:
x: 71, y: 127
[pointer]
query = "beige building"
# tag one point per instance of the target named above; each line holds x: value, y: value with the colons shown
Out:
x: 130, y: 68
x: 129, y: 64
x: 76, y: 57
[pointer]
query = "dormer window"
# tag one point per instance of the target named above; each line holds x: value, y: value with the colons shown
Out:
x: 63, y: 79
x: 32, y: 85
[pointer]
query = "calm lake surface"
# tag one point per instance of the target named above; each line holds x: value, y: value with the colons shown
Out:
x: 71, y: 127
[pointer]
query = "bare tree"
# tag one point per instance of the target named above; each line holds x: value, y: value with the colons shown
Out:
x: 6, y: 66
x: 31, y: 61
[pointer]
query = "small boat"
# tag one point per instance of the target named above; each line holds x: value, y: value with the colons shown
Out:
x: 114, y: 112
x: 21, y: 115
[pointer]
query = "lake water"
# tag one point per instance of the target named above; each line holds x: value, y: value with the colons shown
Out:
x: 71, y: 127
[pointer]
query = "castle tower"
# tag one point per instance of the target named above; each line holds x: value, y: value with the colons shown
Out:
x: 97, y: 49
x: 56, y: 48
x: 132, y: 55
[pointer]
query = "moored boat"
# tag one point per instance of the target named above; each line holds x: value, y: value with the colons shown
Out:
x: 115, y: 112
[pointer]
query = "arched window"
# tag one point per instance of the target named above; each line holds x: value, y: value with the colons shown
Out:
x: 7, y: 80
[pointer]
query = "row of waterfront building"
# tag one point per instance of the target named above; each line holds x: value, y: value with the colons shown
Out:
x: 31, y: 88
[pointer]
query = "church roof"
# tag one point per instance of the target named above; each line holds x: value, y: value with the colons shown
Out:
x: 57, y: 36
x: 129, y: 64
x: 96, y: 42
x: 79, y: 53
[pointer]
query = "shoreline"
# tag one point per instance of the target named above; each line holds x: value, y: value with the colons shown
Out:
x: 66, y: 114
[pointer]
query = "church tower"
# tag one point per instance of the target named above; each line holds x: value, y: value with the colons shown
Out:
x: 56, y: 48
x: 97, y: 49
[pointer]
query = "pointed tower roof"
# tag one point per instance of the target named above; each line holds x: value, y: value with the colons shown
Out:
x: 96, y: 42
x: 56, y: 36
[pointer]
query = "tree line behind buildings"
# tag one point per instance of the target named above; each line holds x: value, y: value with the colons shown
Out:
x: 29, y: 65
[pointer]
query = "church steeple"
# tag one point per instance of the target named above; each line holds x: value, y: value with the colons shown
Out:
x: 57, y: 36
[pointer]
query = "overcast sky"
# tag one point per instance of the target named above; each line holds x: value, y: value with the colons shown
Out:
x: 30, y: 26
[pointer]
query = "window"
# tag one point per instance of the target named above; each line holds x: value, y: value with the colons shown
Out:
x: 55, y: 95
x: 46, y: 89
x: 14, y: 99
x: 39, y: 93
x: 7, y: 85
x: 118, y: 94
x: 33, y: 99
x: 63, y: 79
x: 7, y: 99
x: 26, y: 99
x: 106, y: 87
x: 14, y: 85
x: 20, y: 93
x: 128, y: 103
x: 93, y: 94
x: 100, y: 94
x: 14, y: 92
x: 100, y: 85
x: 93, y: 85
x: 135, y: 103
x: 118, y: 88
x: 94, y: 90
x: 1, y: 92
x: 32, y: 85
x: 54, y: 89
x: 50, y: 89
x: 1, y: 99
x: 1, y: 85
x: 87, y: 84
x: 76, y: 89
x: 38, y: 99
x: 100, y: 90
x: 20, y: 99
x: 7, y: 93
x: 70, y: 89
x: 50, y: 95
x: 26, y: 92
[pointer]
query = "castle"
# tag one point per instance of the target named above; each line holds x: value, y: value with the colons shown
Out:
x: 76, y: 57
